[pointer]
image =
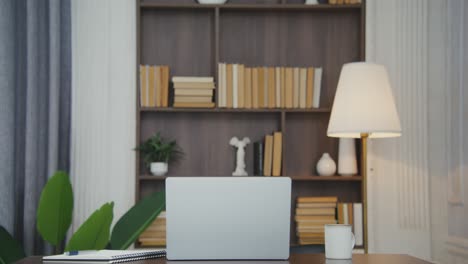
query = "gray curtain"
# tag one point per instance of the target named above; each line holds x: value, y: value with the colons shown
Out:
x: 35, y: 104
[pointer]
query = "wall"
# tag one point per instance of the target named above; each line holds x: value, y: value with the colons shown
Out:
x: 103, y: 119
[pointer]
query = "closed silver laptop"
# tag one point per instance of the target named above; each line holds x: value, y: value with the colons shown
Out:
x: 228, y: 218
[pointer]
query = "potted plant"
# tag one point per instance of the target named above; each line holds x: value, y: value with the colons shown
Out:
x: 157, y: 152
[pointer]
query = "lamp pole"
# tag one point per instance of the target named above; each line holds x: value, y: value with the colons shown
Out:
x: 364, y: 137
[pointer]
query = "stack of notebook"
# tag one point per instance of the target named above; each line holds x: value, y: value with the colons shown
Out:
x: 155, y: 234
x: 193, y: 92
x: 312, y: 214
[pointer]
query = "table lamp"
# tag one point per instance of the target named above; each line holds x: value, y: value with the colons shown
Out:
x: 364, y: 108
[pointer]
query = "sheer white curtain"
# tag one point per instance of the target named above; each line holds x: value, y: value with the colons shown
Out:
x: 103, y: 108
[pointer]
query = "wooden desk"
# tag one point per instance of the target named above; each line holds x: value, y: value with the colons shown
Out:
x: 294, y: 259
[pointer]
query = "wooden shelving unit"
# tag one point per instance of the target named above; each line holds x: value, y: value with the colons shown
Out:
x: 192, y: 39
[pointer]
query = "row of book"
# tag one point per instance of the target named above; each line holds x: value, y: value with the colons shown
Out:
x: 193, y: 92
x: 312, y: 214
x: 351, y: 214
x: 268, y: 155
x: 154, y: 86
x: 268, y: 87
x: 155, y: 234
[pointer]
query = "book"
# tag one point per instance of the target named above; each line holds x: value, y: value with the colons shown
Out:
x: 289, y: 79
x: 248, y: 87
x: 158, y: 242
x: 222, y: 88
x: 194, y: 85
x: 255, y: 88
x: 153, y: 234
x: 278, y: 87
x: 317, y: 86
x: 277, y: 153
x: 314, y: 218
x: 302, y: 87
x: 194, y: 92
x: 152, y: 86
x: 165, y: 86
x: 316, y: 223
x: 265, y: 87
x: 315, y: 205
x: 193, y: 99
x: 104, y: 256
x: 229, y: 85
x: 317, y: 199
x: 194, y: 105
x: 157, y: 86
x: 268, y: 155
x: 192, y: 79
x: 240, y: 86
x: 260, y: 86
x: 357, y: 223
x: 283, y: 87
x: 315, y: 211
x: 310, y: 87
x: 271, y: 88
x: 296, y: 87
x: 219, y: 94
x: 143, y: 86
x: 319, y: 234
x: 235, y: 86
x: 258, y: 158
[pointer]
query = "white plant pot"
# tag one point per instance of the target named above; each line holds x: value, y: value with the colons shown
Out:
x: 212, y: 2
x: 326, y: 166
x: 159, y: 168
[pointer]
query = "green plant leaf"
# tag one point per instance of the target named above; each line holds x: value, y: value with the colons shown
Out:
x: 94, y: 232
x: 10, y: 249
x: 54, y: 213
x: 136, y: 220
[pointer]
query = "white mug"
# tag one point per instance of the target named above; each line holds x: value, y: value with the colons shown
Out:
x: 339, y: 241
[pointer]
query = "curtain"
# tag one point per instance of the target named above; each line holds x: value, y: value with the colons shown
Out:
x: 35, y: 101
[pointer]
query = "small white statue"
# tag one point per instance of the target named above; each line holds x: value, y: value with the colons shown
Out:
x: 240, y: 156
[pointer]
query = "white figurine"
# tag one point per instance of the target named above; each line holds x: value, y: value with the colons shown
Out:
x: 240, y: 156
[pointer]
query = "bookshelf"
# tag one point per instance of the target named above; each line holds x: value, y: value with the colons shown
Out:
x: 192, y: 39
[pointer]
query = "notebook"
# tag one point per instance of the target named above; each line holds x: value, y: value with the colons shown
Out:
x: 105, y: 256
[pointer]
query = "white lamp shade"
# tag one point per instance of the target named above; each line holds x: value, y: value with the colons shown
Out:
x: 364, y: 103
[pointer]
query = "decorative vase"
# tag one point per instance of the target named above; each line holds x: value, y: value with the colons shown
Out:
x: 311, y: 2
x: 347, y: 164
x: 159, y: 168
x: 326, y: 166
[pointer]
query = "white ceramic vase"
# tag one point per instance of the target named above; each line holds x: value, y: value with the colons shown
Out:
x: 158, y: 168
x: 326, y: 166
x: 347, y: 164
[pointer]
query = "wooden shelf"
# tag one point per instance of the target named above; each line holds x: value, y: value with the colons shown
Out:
x: 246, y: 7
x: 326, y: 178
x: 294, y: 178
x: 233, y: 110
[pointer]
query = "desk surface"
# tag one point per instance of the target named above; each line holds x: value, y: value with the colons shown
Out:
x: 294, y: 259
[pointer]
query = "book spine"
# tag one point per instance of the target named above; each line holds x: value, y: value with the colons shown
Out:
x: 258, y: 158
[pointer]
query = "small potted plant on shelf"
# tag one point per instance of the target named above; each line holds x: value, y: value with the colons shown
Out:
x: 157, y: 152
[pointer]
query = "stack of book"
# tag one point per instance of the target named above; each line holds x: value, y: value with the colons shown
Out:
x: 268, y: 155
x: 351, y: 214
x: 193, y: 92
x: 312, y: 214
x: 268, y: 87
x: 155, y: 234
x: 154, y: 86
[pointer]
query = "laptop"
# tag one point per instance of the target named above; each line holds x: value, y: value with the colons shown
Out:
x: 228, y: 218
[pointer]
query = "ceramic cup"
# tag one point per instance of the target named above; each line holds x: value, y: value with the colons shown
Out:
x: 339, y: 242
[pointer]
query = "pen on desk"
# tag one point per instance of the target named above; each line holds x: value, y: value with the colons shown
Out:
x: 79, y: 252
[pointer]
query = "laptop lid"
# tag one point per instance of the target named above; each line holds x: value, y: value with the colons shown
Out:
x: 227, y: 217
